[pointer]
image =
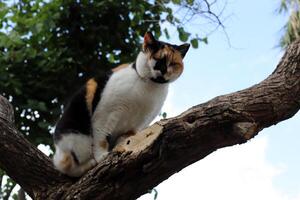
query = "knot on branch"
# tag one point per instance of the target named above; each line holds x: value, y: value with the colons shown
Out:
x: 139, y: 141
x: 246, y: 130
x: 6, y: 110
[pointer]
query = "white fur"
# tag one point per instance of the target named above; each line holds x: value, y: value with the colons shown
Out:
x: 81, y: 145
x: 145, y: 66
x: 130, y: 101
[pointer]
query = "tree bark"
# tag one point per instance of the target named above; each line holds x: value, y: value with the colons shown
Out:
x: 142, y: 161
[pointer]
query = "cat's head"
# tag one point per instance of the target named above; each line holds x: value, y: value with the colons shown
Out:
x: 159, y: 61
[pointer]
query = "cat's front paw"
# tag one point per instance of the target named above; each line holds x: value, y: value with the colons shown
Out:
x: 92, y: 163
x: 100, y: 155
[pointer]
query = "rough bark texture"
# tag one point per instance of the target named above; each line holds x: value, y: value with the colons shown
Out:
x: 141, y: 162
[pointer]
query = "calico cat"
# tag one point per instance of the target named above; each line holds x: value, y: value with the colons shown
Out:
x: 121, y: 102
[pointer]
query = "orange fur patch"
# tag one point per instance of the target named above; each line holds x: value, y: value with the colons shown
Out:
x: 66, y: 162
x: 122, y: 66
x: 91, y: 87
x: 103, y: 144
x: 178, y: 64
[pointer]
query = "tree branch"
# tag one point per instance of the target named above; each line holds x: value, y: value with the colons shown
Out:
x: 162, y: 149
x: 22, y: 161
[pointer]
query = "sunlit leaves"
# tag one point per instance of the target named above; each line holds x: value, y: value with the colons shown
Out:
x: 176, y: 1
x: 292, y: 27
x: 190, y: 2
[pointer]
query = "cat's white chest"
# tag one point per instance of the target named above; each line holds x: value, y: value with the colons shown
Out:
x: 128, y: 103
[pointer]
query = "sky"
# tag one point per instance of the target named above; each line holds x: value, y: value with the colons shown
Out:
x: 267, y: 167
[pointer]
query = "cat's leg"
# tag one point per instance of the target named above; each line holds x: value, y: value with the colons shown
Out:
x: 103, y: 128
x: 100, y: 145
x: 73, y: 155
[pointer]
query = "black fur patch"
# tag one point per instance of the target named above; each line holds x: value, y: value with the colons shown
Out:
x: 161, y: 65
x: 76, y: 117
x: 101, y: 81
x: 159, y: 79
x: 134, y: 66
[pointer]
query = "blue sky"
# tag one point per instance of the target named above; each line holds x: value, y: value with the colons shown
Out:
x: 268, y: 166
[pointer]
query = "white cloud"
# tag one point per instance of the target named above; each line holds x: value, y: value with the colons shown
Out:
x: 235, y: 173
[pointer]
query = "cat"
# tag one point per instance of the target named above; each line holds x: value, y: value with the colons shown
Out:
x: 121, y: 102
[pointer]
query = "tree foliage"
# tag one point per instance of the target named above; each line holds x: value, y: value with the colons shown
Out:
x: 292, y: 27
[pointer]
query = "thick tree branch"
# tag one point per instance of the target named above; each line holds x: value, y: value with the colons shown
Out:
x: 164, y: 148
x: 22, y: 161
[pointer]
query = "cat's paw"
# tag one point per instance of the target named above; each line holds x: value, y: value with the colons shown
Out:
x: 100, y: 155
x: 92, y: 163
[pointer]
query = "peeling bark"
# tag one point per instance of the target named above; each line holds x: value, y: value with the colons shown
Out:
x: 142, y: 161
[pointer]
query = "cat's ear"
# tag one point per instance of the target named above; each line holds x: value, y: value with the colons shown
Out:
x: 149, y: 38
x: 150, y: 43
x: 183, y: 49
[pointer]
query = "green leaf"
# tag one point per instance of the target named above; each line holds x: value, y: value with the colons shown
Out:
x: 111, y: 58
x: 38, y: 28
x: 170, y: 18
x: 183, y: 35
x: 15, y: 37
x: 194, y: 43
x: 176, y: 1
x: 43, y: 125
x: 190, y: 2
x: 3, y: 10
x: 167, y: 33
x: 42, y: 106
x: 31, y: 53
x: 17, y: 91
x: 70, y: 60
x: 205, y: 40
